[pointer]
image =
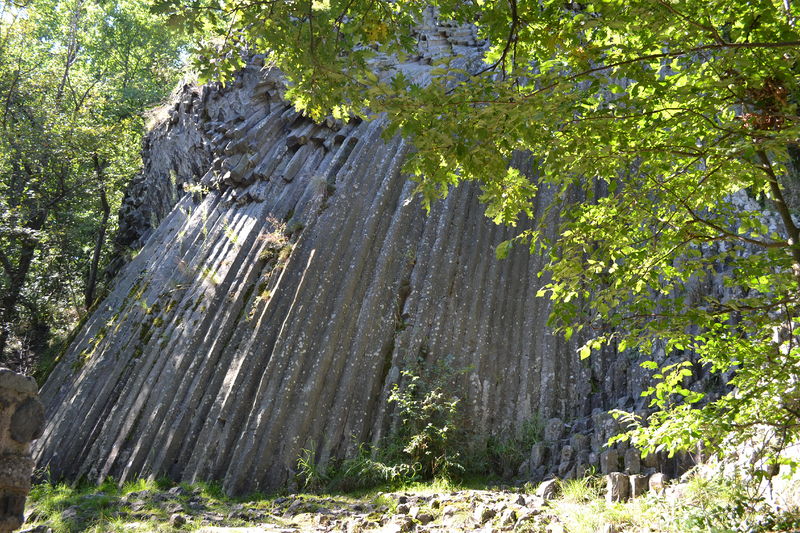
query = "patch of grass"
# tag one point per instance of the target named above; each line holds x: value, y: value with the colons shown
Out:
x: 364, y: 471
x: 504, y: 454
x: 139, y: 485
x: 582, y: 490
x: 384, y: 500
x: 702, y: 505
x: 313, y: 475
x: 106, y: 507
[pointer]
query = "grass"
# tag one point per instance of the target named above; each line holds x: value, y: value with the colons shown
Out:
x: 141, y: 505
x: 701, y: 505
x: 147, y: 505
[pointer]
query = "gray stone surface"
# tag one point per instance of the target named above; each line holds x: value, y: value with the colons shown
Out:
x: 658, y: 482
x: 27, y: 422
x: 639, y: 485
x: 310, y: 279
x: 609, y: 461
x: 483, y: 514
x: 633, y: 464
x: 618, y: 487
x: 554, y: 430
x: 579, y: 442
x: 548, y: 489
x: 540, y: 454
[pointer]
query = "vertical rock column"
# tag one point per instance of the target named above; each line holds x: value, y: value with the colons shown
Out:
x: 21, y: 421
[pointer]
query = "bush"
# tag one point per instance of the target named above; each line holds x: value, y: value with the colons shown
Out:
x: 428, y: 432
x: 427, y: 443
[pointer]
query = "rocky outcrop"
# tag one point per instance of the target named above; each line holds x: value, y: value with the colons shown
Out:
x: 273, y: 308
x: 187, y: 130
x: 21, y: 421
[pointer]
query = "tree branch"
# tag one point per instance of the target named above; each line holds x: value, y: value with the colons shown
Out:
x: 6, y: 263
x: 791, y: 229
x: 663, y: 55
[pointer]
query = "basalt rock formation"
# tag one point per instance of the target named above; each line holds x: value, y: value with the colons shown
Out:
x: 21, y: 421
x: 274, y: 302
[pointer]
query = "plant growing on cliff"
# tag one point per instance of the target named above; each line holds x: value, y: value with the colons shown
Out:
x: 665, y: 134
x: 428, y: 430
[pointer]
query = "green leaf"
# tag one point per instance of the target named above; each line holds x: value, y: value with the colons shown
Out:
x: 503, y: 249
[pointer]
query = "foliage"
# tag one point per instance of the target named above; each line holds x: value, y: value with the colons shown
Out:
x: 581, y: 490
x: 430, y: 441
x: 96, y: 504
x: 372, y: 468
x: 142, y: 505
x: 424, y: 445
x: 428, y: 427
x: 310, y: 473
x: 720, y: 503
x: 504, y: 454
x: 75, y: 77
x: 664, y: 135
x: 703, y: 504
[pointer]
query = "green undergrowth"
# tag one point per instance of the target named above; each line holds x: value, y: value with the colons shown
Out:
x: 430, y: 439
x: 146, y: 505
x: 699, y: 505
x: 715, y: 505
x: 141, y: 505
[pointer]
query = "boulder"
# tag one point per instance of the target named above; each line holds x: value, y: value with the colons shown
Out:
x: 554, y: 430
x: 540, y: 453
x: 567, y: 454
x: 633, y: 464
x: 658, y: 482
x: 609, y: 461
x: 650, y: 460
x: 548, y: 490
x: 508, y: 517
x: 579, y: 442
x: 177, y: 520
x: 617, y: 487
x: 639, y: 485
x: 566, y: 466
x: 483, y: 514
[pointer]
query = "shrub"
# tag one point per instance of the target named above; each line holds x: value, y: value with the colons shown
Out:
x: 428, y: 433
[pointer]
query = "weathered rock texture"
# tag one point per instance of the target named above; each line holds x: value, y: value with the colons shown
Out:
x: 21, y: 421
x: 273, y: 308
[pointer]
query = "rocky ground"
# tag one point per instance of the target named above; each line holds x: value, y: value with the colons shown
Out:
x: 591, y: 505
x: 433, y: 507
x: 506, y: 509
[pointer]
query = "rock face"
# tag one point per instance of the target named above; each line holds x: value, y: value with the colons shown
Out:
x: 275, y: 305
x: 21, y: 421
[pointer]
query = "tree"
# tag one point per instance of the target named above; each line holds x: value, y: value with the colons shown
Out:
x: 75, y: 76
x: 666, y: 131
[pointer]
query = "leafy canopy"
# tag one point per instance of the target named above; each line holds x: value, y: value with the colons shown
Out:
x: 665, y: 133
x: 75, y: 78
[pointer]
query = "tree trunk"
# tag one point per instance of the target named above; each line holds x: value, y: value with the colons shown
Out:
x: 91, y: 282
x: 17, y: 277
x: 791, y: 228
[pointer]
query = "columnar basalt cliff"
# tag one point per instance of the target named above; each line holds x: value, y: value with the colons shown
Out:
x: 273, y: 307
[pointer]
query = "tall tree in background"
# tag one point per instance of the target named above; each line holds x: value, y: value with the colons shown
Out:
x: 75, y: 77
x: 666, y: 132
